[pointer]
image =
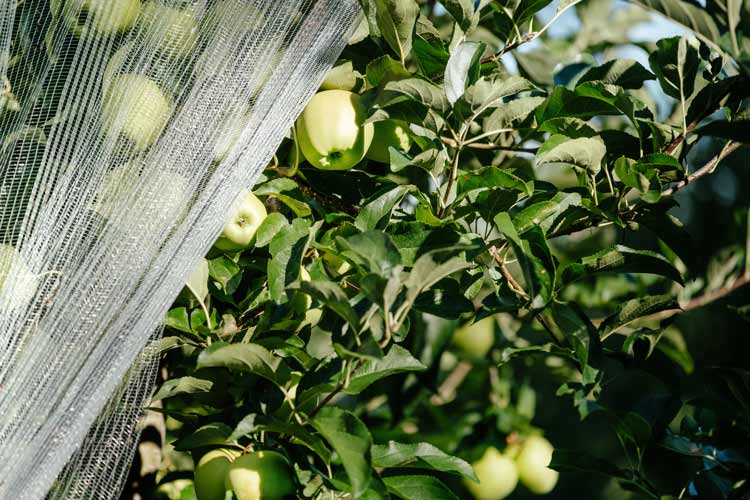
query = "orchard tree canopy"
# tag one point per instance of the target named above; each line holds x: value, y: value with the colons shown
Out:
x: 503, y: 219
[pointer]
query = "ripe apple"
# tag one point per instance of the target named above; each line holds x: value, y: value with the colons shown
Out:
x: 497, y: 476
x: 261, y: 475
x: 388, y: 134
x: 340, y: 77
x: 242, y: 224
x: 211, y: 472
x: 135, y: 107
x: 532, y: 462
x: 104, y: 17
x: 24, y: 282
x: 330, y: 130
x: 476, y: 339
x: 176, y: 29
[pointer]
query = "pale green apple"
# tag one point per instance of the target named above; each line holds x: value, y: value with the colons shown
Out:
x: 175, y: 29
x: 331, y: 130
x: 135, y: 107
x: 388, y: 134
x: 104, y: 17
x: 211, y: 472
x: 477, y: 338
x: 261, y: 475
x: 229, y: 133
x: 300, y: 301
x: 532, y: 463
x: 341, y: 77
x: 497, y: 476
x: 241, y: 225
x: 22, y: 281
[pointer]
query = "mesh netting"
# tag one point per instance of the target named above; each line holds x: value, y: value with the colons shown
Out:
x: 129, y: 129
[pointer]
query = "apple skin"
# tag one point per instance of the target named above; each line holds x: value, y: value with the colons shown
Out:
x: 104, y: 17
x: 330, y: 130
x: 24, y: 281
x: 176, y: 29
x: 242, y: 224
x: 388, y: 133
x: 341, y: 77
x: 476, y: 339
x: 210, y: 474
x: 532, y: 462
x: 261, y: 475
x: 300, y: 301
x: 497, y: 476
x: 135, y: 107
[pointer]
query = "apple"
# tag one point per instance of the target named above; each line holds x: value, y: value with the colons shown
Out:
x: 104, y: 17
x: 135, y: 107
x: 229, y: 132
x: 235, y: 15
x: 300, y: 301
x: 477, y: 338
x: 175, y: 29
x: 261, y: 475
x: 242, y: 224
x: 340, y: 77
x: 211, y: 472
x: 388, y: 134
x: 532, y: 462
x: 331, y: 132
x: 23, y: 283
x: 335, y: 265
x: 497, y: 476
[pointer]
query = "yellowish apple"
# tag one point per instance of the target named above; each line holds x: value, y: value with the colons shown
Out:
x: 242, y: 223
x: 532, y: 463
x: 497, y: 476
x: 174, y: 29
x: 388, y: 134
x: 477, y: 338
x: 211, y: 472
x: 103, y: 17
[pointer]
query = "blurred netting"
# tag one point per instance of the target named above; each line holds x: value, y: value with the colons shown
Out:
x: 128, y: 130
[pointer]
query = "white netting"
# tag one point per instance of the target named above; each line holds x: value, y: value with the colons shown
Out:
x: 139, y: 123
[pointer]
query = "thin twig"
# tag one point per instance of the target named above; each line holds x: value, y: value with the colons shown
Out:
x: 489, y: 147
x: 706, y: 169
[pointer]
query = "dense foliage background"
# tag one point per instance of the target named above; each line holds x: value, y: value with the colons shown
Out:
x: 585, y: 188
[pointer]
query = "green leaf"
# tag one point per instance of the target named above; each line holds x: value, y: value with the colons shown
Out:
x: 287, y: 249
x: 430, y: 55
x: 637, y: 308
x: 421, y: 91
x: 619, y: 259
x: 625, y: 73
x: 197, y: 282
x: 254, y: 423
x: 585, y: 153
x: 332, y: 296
x: 398, y: 360
x: 544, y: 213
x: 689, y: 14
x: 578, y: 461
x: 569, y: 323
x: 244, y: 357
x: 510, y: 114
x: 419, y: 456
x: 396, y: 20
x: 273, y: 224
x: 488, y: 92
x: 418, y: 488
x: 428, y: 270
x: 462, y: 11
x: 351, y: 440
x: 372, y: 250
x: 182, y: 385
x: 178, y: 319
x: 376, y: 214
x: 676, y: 65
x: 385, y: 69
x: 570, y: 104
x: 462, y: 69
x: 212, y: 434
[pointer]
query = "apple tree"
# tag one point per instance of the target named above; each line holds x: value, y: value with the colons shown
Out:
x: 503, y: 252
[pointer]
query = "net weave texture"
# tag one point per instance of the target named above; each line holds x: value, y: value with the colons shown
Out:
x: 129, y: 130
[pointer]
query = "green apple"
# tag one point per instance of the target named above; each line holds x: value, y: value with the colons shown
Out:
x: 211, y: 472
x: 104, y: 17
x: 175, y: 29
x: 331, y: 130
x: 262, y: 475
x: 497, y: 476
x: 532, y: 462
x: 388, y: 134
x: 242, y: 224
x: 24, y: 282
x: 231, y: 15
x: 340, y: 77
x: 229, y: 132
x: 300, y: 301
x: 135, y: 107
x: 477, y: 338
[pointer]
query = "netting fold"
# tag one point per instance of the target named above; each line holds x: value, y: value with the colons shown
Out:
x: 129, y: 129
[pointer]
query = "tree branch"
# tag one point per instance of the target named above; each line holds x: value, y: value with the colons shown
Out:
x: 706, y: 169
